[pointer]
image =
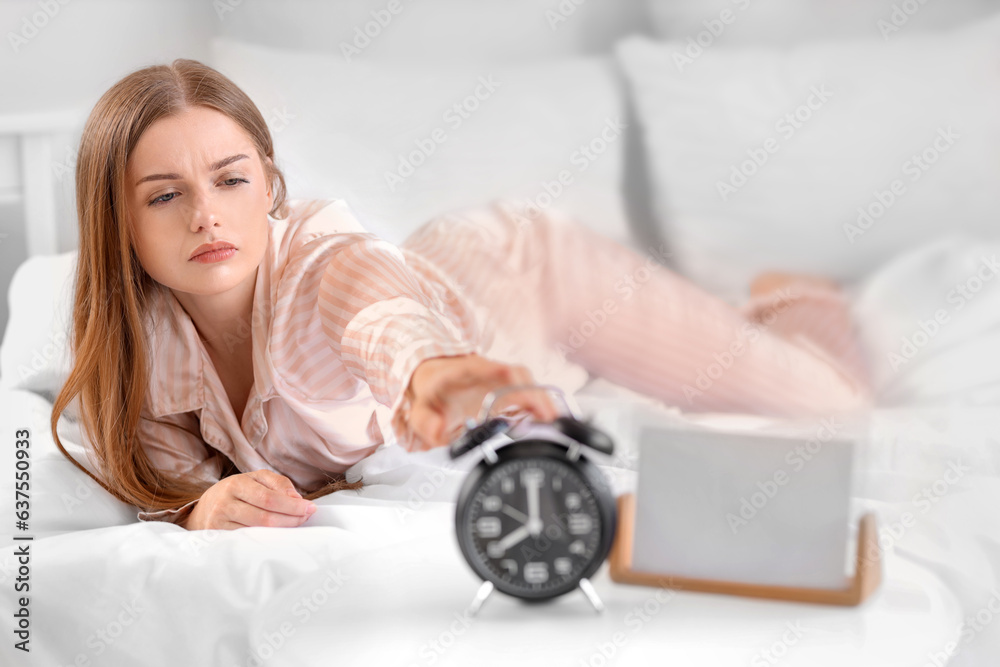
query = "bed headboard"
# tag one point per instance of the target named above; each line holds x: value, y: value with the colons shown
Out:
x: 36, y: 135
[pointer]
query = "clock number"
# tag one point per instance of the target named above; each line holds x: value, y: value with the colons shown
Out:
x: 579, y: 524
x: 536, y: 573
x: 573, y: 501
x: 494, y: 550
x: 532, y: 477
x: 492, y: 503
x: 488, y: 526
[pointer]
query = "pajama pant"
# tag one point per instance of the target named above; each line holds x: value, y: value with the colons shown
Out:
x: 624, y: 316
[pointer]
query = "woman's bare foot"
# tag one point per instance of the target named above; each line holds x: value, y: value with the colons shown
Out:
x: 772, y: 281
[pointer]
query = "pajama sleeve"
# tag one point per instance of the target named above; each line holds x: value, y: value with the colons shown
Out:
x: 172, y: 446
x: 385, y: 310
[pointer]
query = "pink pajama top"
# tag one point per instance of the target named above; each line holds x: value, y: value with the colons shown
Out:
x: 342, y: 318
x: 340, y: 321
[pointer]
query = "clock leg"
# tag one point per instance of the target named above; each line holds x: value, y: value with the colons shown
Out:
x: 588, y: 590
x: 481, y: 595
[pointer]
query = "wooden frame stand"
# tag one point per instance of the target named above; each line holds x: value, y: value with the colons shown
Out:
x: 867, y: 574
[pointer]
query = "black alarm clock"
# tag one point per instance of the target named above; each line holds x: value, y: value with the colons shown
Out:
x: 535, y: 518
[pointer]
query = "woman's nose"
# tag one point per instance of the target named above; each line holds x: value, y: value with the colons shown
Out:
x: 202, y: 211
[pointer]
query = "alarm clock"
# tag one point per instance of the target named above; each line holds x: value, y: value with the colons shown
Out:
x: 535, y: 518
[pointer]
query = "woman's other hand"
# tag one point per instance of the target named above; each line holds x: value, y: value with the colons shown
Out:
x: 256, y: 498
x: 772, y: 281
x: 446, y: 391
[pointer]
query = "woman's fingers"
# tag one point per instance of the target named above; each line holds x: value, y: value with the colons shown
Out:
x: 537, y: 402
x: 252, y: 515
x: 428, y: 424
x: 273, y: 480
x: 449, y: 391
x: 266, y: 492
x: 534, y: 399
x: 255, y: 498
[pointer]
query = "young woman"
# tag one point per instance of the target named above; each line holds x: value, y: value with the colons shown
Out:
x: 233, y: 356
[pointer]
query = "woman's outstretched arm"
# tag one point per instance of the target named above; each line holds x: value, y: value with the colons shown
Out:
x: 398, y: 325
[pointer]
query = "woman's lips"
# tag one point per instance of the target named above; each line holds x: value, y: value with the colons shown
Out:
x: 213, y: 256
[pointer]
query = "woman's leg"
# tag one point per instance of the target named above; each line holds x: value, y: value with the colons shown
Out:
x: 625, y: 317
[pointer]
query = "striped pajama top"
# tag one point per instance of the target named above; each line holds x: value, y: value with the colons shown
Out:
x: 340, y: 321
x: 342, y: 318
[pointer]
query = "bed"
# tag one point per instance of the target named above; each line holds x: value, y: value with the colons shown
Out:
x: 376, y: 576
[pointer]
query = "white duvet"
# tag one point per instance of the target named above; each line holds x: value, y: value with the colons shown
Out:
x: 375, y: 576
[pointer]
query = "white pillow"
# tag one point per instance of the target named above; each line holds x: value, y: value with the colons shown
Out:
x: 430, y: 30
x: 35, y: 352
x: 930, y: 323
x: 773, y: 22
x: 875, y: 104
x: 475, y: 133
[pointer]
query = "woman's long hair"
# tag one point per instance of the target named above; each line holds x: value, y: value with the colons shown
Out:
x: 110, y: 375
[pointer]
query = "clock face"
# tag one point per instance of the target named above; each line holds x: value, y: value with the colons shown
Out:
x: 535, y: 525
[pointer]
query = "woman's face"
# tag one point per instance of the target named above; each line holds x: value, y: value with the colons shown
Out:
x: 196, y: 178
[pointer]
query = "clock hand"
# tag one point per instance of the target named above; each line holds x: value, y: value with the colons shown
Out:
x: 534, y: 512
x: 515, y: 537
x: 515, y: 514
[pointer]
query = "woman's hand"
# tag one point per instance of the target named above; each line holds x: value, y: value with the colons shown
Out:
x: 446, y: 391
x: 256, y: 498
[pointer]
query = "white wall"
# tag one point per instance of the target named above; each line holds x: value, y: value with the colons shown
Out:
x: 64, y: 53
x: 440, y: 30
x: 58, y: 54
x: 89, y: 44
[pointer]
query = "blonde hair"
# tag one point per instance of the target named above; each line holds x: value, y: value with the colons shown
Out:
x: 110, y: 375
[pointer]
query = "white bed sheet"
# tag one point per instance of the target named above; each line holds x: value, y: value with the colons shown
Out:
x: 388, y: 585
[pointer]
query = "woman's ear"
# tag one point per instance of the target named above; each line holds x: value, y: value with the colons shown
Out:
x: 269, y: 175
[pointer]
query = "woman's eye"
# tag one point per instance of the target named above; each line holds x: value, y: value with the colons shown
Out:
x: 161, y: 200
x: 229, y: 182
